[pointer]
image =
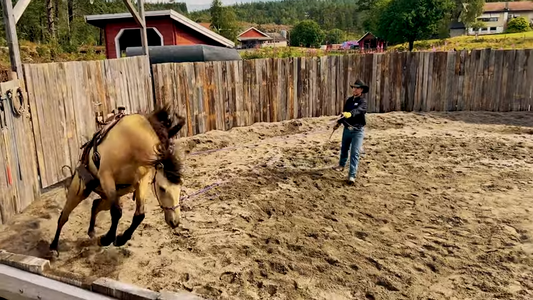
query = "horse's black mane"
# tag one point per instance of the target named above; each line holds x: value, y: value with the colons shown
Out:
x: 166, y: 125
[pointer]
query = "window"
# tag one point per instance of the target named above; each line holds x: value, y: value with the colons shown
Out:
x: 493, y: 29
x: 489, y: 19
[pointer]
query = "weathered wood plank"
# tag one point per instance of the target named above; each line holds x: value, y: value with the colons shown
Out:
x: 467, y: 86
x: 529, y: 76
x: 451, y: 83
x: 478, y: 79
x: 508, y: 60
x: 238, y: 93
x: 323, y: 87
x: 385, y: 82
x: 410, y: 82
x: 439, y: 76
x: 519, y: 79
x: 429, y: 58
x: 256, y: 90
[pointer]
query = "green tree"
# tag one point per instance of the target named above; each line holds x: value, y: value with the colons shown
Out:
x: 402, y: 21
x: 307, y: 34
x: 467, y: 11
x: 224, y: 20
x: 517, y: 25
x: 341, y: 14
x: 373, y: 11
x: 335, y: 36
x: 477, y: 25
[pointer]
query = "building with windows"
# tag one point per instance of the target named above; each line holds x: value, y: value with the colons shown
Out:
x: 497, y: 14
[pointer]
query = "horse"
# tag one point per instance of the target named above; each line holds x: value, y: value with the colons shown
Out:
x: 128, y: 155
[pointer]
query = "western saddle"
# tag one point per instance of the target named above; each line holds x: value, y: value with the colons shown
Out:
x: 98, y: 137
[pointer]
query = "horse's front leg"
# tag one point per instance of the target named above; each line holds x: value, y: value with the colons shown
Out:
x: 138, y: 217
x: 109, y: 187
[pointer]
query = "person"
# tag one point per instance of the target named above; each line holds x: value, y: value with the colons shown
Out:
x: 354, y: 121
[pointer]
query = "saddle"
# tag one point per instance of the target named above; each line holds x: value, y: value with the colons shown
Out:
x: 98, y: 137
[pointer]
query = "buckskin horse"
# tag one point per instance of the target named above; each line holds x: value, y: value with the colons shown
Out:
x: 130, y: 153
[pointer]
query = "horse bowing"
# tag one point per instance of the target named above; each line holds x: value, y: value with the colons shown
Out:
x: 128, y: 156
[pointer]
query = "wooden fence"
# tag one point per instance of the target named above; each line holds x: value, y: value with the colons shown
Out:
x: 221, y: 95
x: 64, y: 98
x: 19, y: 185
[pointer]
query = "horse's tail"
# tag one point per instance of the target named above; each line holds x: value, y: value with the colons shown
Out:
x: 68, y: 181
x: 63, y: 167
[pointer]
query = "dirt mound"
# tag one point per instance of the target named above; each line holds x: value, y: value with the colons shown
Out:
x: 441, y: 210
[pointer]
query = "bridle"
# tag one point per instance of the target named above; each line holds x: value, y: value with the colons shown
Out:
x: 157, y: 195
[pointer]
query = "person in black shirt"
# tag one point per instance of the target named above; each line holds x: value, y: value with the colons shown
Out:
x: 353, y: 119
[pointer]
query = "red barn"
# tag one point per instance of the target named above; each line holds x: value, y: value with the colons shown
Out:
x: 253, y: 37
x: 162, y: 27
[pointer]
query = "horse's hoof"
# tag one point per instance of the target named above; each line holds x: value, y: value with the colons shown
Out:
x: 91, y: 234
x: 53, y: 246
x: 105, y: 241
x: 121, y: 240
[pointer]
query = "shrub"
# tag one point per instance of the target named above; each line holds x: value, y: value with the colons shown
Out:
x: 518, y: 25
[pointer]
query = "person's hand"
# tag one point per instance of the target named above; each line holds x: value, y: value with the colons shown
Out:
x: 347, y: 114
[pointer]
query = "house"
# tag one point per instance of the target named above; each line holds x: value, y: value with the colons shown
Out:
x: 497, y: 14
x: 166, y: 27
x: 371, y: 42
x: 254, y: 38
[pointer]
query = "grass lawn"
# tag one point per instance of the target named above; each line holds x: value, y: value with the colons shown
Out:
x: 495, y: 41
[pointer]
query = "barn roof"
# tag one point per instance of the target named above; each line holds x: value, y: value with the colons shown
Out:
x: 265, y: 37
x: 102, y: 20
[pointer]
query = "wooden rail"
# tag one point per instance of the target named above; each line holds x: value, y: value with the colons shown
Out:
x: 25, y: 277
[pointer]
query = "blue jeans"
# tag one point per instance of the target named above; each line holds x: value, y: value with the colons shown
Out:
x: 352, y: 139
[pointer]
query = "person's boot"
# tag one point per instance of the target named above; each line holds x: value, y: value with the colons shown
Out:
x: 338, y: 168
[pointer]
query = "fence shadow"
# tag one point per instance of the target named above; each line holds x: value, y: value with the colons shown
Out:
x: 516, y: 118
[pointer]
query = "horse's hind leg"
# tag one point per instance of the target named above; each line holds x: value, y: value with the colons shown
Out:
x: 77, y: 192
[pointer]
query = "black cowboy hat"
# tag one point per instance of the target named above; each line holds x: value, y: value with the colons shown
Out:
x: 360, y: 84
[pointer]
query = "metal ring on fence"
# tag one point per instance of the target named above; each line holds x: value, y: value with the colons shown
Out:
x: 16, y: 106
x: 21, y: 107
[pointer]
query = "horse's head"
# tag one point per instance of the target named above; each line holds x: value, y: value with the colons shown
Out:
x: 167, y: 188
x: 167, y: 181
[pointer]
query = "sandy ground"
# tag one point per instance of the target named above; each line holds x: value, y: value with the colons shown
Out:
x: 442, y: 210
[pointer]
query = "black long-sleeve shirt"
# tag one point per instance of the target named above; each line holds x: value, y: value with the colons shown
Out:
x: 357, y: 106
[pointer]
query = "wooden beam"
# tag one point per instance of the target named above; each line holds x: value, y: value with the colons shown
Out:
x: 12, y: 39
x: 19, y: 9
x: 134, y: 13
x: 139, y: 18
x: 18, y: 284
x: 144, y: 35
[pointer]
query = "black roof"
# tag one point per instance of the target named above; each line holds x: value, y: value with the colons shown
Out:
x: 186, y: 53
